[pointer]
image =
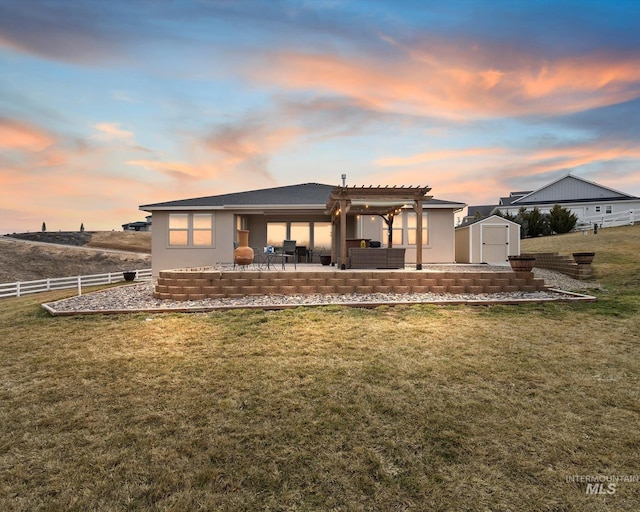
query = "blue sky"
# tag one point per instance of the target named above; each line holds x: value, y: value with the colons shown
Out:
x: 106, y: 105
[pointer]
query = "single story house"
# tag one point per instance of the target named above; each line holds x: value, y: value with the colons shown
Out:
x: 202, y: 231
x: 137, y: 226
x: 490, y: 240
x: 590, y: 202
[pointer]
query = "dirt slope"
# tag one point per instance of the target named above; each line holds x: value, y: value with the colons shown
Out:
x: 26, y: 261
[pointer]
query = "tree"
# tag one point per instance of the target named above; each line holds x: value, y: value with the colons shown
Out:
x: 506, y: 215
x: 538, y: 223
x: 44, y: 227
x: 82, y: 227
x: 532, y: 223
x: 561, y: 220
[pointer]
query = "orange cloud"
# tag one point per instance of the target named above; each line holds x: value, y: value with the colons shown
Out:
x: 432, y: 156
x: 21, y: 136
x: 459, y: 175
x: 176, y: 169
x: 247, y: 140
x: 461, y: 83
x: 112, y: 131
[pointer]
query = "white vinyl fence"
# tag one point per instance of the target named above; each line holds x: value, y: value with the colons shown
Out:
x: 610, y: 220
x: 61, y: 283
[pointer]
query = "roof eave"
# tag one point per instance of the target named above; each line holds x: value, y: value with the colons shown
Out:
x: 244, y: 207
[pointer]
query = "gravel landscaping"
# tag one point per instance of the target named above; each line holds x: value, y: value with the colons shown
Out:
x: 139, y: 297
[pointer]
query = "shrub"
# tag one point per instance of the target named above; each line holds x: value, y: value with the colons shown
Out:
x: 561, y: 220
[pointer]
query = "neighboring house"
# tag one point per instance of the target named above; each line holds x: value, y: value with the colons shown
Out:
x: 202, y: 231
x: 590, y: 202
x: 137, y: 226
x: 489, y: 240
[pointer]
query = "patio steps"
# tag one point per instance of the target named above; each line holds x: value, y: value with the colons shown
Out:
x: 561, y: 263
x: 197, y: 285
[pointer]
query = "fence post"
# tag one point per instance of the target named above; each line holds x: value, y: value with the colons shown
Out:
x: 79, y: 285
x: 18, y: 289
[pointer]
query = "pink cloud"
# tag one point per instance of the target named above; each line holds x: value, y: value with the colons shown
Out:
x: 21, y: 136
x: 460, y: 83
x: 432, y: 156
x: 112, y: 131
x: 481, y: 175
x: 175, y: 169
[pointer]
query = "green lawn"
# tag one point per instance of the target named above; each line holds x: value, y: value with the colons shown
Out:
x: 396, y: 408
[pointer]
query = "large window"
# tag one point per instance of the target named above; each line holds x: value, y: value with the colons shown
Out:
x: 405, y: 226
x: 301, y: 233
x: 396, y: 232
x: 322, y: 235
x: 276, y: 233
x: 308, y: 234
x: 412, y: 228
x: 190, y: 229
x: 179, y: 229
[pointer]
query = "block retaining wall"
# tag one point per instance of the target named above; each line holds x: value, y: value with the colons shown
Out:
x: 197, y: 285
x: 563, y: 264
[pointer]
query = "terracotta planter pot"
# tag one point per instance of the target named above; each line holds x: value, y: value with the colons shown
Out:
x: 522, y: 263
x: 583, y: 258
x: 243, y: 254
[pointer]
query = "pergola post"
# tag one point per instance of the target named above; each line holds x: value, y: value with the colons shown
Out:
x: 417, y: 206
x: 343, y: 234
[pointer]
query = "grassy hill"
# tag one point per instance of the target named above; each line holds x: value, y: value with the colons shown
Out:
x: 617, y: 261
x: 396, y: 408
x: 133, y: 241
x: 72, y: 253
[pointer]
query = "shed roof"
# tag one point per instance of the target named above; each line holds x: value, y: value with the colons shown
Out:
x: 491, y: 218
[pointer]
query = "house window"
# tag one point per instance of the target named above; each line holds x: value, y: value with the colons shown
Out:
x: 412, y: 228
x: 608, y: 209
x: 179, y: 229
x: 405, y: 228
x: 276, y: 233
x: 190, y: 230
x: 301, y: 233
x: 308, y: 234
x: 202, y: 229
x: 598, y: 208
x: 322, y: 234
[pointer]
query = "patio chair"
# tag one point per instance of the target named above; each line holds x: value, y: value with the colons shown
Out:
x: 259, y: 258
x: 288, y: 250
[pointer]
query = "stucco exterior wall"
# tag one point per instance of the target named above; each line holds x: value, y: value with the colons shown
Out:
x: 165, y: 257
x: 440, y: 247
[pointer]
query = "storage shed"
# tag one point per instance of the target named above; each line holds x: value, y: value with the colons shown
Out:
x: 489, y: 240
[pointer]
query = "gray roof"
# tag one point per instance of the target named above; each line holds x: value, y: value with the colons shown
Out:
x: 469, y: 222
x: 305, y: 194
x: 444, y: 202
x: 484, y: 210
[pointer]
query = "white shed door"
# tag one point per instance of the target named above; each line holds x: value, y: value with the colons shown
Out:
x: 495, y: 243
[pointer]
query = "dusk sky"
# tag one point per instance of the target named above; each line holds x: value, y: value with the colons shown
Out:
x: 109, y: 104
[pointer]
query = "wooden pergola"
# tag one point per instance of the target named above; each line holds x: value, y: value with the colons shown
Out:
x: 385, y: 202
